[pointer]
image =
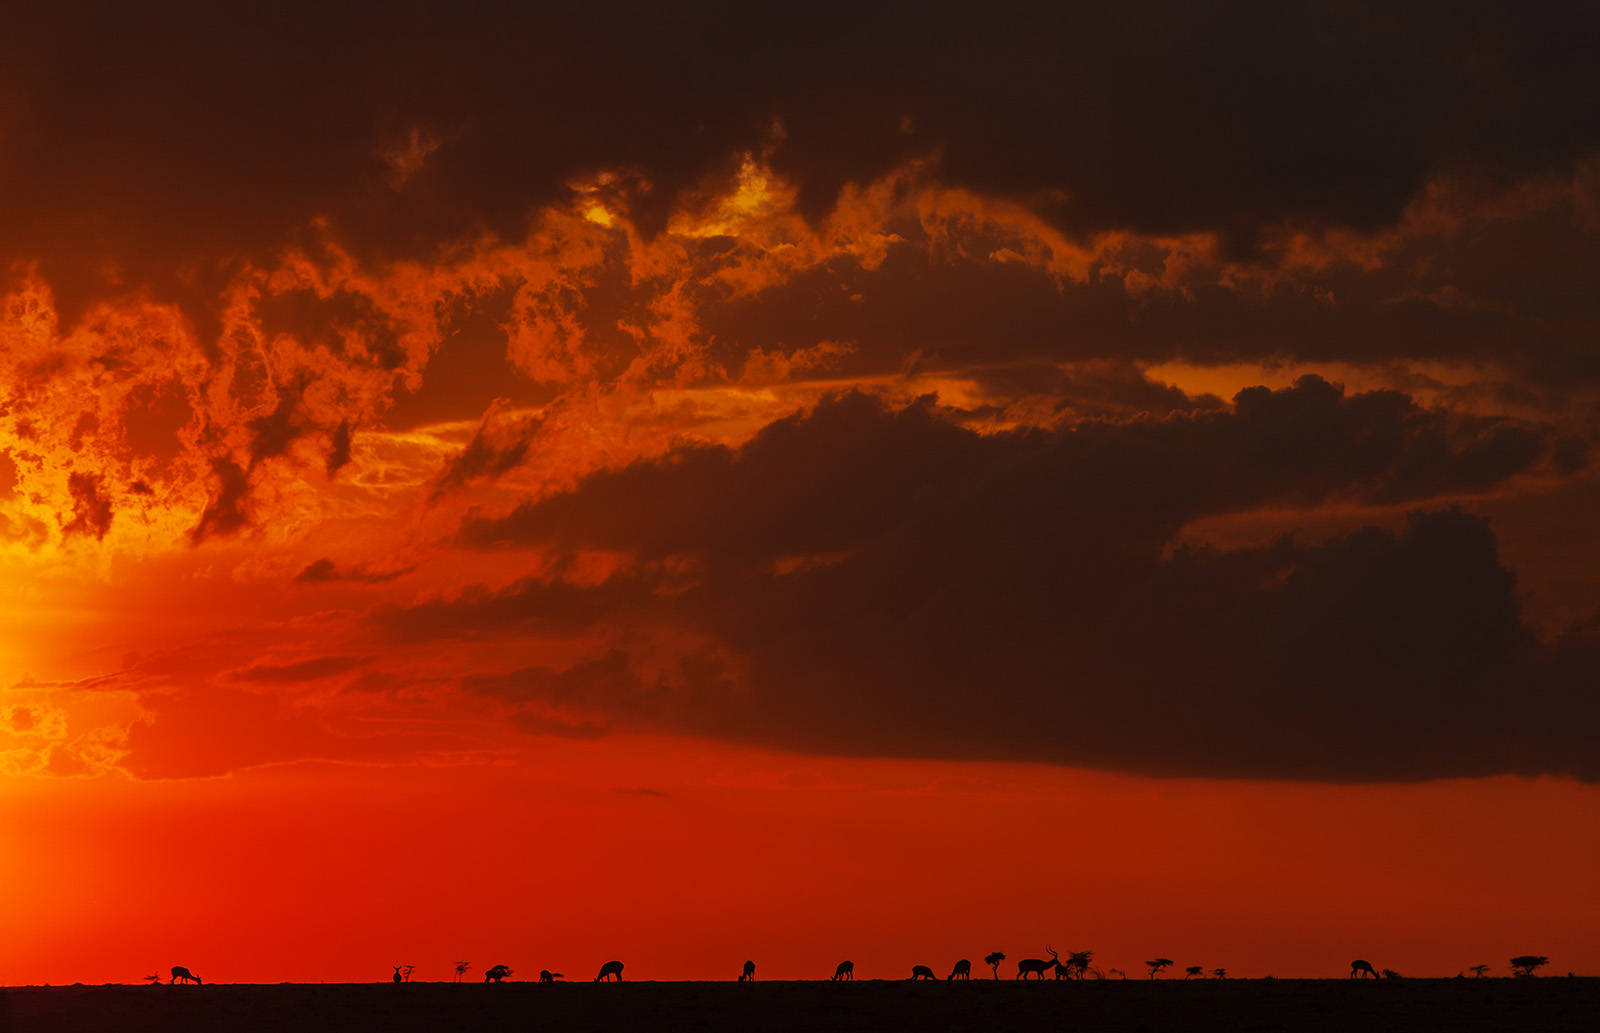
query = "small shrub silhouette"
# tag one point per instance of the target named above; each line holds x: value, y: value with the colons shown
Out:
x: 1219, y: 973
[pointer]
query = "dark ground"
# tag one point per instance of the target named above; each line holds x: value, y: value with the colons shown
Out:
x: 1135, y: 1006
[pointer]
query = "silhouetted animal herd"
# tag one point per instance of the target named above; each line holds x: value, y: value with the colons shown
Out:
x: 1077, y: 966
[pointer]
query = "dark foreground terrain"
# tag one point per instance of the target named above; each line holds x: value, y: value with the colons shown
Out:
x: 1135, y: 1006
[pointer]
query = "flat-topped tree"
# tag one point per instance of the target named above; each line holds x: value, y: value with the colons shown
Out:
x: 1524, y: 964
x: 1157, y: 964
x: 1194, y: 972
x: 993, y: 960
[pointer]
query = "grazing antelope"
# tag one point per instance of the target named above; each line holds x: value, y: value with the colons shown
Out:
x: 496, y: 974
x: 1363, y: 969
x: 749, y: 973
x: 547, y: 976
x: 922, y: 972
x: 846, y: 970
x: 183, y: 975
x: 1038, y: 966
x: 610, y: 968
x: 963, y: 970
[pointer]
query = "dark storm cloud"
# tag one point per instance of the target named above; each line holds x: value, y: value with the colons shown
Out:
x: 299, y: 670
x: 1300, y: 445
x: 497, y: 447
x: 324, y: 570
x: 142, y: 140
x: 91, y: 509
x: 1016, y: 596
x: 226, y: 513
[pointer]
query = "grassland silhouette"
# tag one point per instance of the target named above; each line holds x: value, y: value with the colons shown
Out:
x: 1078, y: 966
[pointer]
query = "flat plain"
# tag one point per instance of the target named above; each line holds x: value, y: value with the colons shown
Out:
x: 1564, y: 1004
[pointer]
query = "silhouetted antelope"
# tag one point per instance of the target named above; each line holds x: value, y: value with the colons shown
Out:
x: 1037, y: 966
x: 495, y: 974
x: 183, y: 975
x: 1363, y: 969
x: 547, y: 976
x: 922, y: 972
x: 397, y: 973
x: 749, y: 973
x: 610, y: 968
x: 846, y: 970
x: 963, y: 970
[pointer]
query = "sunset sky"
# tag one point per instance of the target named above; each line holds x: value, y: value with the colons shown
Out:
x: 544, y: 485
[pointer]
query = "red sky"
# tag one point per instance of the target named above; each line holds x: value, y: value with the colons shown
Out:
x: 475, y: 487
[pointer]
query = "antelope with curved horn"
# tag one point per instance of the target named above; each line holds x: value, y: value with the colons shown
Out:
x: 1038, y: 966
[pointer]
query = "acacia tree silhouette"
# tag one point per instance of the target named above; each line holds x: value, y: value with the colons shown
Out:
x: 993, y: 960
x: 1479, y: 970
x: 461, y: 969
x: 1157, y: 964
x: 1220, y: 973
x: 1524, y: 964
x: 1194, y: 970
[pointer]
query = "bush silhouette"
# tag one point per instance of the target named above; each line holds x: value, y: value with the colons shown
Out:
x: 1524, y: 964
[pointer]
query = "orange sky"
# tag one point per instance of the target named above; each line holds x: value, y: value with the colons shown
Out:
x: 793, y: 534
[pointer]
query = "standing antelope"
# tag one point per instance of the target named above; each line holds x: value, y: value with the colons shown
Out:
x: 609, y: 969
x: 1037, y: 966
x: 749, y: 973
x: 846, y: 970
x: 963, y: 970
x: 183, y: 975
x: 922, y: 972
